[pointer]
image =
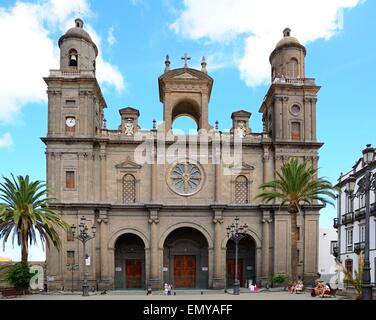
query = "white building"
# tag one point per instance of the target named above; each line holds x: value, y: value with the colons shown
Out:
x: 351, y: 215
x: 327, y: 266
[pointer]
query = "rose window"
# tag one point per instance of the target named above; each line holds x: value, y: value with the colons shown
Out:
x: 185, y: 178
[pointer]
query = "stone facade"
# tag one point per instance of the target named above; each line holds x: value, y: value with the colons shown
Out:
x: 166, y: 222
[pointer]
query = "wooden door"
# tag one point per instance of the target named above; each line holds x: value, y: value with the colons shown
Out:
x: 133, y: 273
x: 231, y: 272
x: 184, y: 271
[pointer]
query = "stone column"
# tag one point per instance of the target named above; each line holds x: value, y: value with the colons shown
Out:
x: 59, y: 180
x: 103, y: 221
x: 155, y: 267
x: 265, y: 247
x: 313, y: 119
x: 285, y: 124
x: 219, y: 268
x: 278, y: 120
x: 81, y: 176
x: 103, y: 166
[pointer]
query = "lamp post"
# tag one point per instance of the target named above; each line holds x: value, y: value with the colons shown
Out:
x: 84, y: 237
x: 365, y: 185
x: 72, y: 267
x: 236, y: 232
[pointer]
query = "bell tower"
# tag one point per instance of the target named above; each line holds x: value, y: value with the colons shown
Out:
x: 289, y: 108
x: 75, y: 100
x: 185, y: 92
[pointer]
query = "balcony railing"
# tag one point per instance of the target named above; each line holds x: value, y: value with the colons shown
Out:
x: 295, y: 81
x: 72, y: 74
x: 359, y: 246
x: 335, y: 223
x: 348, y: 218
x: 360, y: 213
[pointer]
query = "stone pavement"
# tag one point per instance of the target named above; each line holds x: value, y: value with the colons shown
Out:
x: 180, y: 295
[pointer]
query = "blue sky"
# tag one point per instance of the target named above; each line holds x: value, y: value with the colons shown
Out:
x: 135, y: 35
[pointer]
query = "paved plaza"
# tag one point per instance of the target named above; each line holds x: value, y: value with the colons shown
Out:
x: 180, y: 295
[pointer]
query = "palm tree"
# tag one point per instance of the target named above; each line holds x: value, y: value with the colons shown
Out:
x: 297, y: 184
x: 24, y: 210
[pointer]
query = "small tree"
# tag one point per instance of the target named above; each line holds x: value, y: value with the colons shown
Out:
x: 280, y: 278
x: 356, y: 281
x: 19, y: 276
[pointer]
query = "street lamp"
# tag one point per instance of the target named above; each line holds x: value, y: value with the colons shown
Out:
x: 236, y: 232
x: 365, y: 185
x: 84, y: 237
x: 72, y: 267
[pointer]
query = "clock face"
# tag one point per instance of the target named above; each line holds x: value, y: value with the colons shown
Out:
x: 71, y: 122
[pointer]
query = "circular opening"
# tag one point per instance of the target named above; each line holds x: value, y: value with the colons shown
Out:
x: 295, y: 109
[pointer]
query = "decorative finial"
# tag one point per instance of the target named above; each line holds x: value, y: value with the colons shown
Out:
x: 167, y: 63
x: 154, y: 124
x: 216, y: 125
x: 104, y: 123
x: 185, y: 58
x: 203, y: 65
x: 287, y: 32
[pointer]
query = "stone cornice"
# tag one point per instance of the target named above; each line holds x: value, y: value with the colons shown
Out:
x: 161, y: 207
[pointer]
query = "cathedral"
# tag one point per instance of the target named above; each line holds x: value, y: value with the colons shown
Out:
x: 162, y: 212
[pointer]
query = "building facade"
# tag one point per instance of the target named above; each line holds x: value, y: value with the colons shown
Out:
x: 160, y: 220
x: 327, y: 266
x: 351, y: 222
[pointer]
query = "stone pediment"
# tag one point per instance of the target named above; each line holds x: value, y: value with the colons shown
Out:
x: 241, y: 113
x: 242, y: 167
x: 182, y: 76
x: 128, y: 164
x: 185, y: 75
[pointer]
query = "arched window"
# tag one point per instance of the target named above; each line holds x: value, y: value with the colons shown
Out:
x: 129, y: 188
x: 73, y: 58
x: 241, y: 190
x: 292, y: 69
x: 295, y: 131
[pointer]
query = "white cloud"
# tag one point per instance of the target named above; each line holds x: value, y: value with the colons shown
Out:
x: 29, y: 50
x: 110, y: 36
x: 6, y: 141
x: 261, y: 24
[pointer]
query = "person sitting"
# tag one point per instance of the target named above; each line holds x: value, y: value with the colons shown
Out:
x: 299, y: 286
x: 326, y: 290
x: 291, y: 287
x: 318, y: 289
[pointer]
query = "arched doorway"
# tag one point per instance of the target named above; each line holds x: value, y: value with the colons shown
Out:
x: 185, y: 259
x: 246, y: 262
x: 129, y: 262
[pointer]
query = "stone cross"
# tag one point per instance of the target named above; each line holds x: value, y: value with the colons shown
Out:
x: 185, y: 58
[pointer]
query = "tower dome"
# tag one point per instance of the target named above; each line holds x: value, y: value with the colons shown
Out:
x: 77, y: 49
x: 287, y: 59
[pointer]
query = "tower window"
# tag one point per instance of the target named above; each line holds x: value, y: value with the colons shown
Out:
x: 241, y: 190
x: 70, y: 257
x: 295, y: 131
x: 73, y: 58
x: 292, y: 69
x: 70, y: 182
x: 129, y: 188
